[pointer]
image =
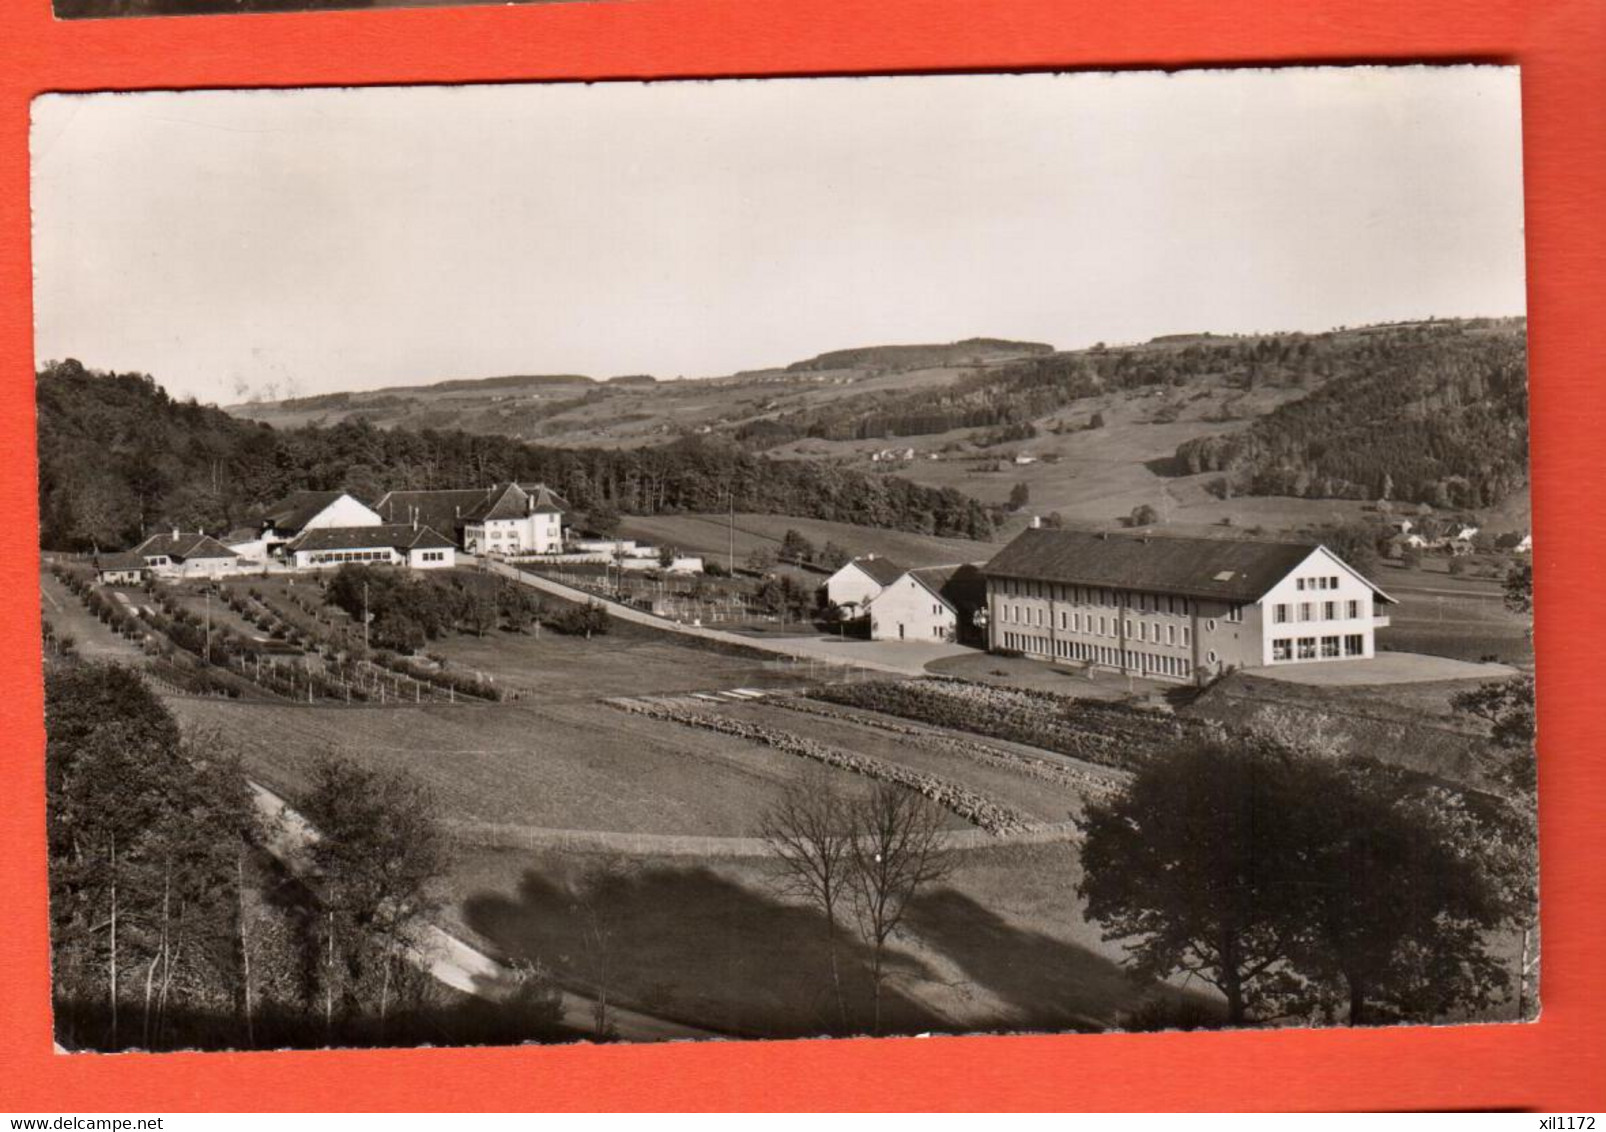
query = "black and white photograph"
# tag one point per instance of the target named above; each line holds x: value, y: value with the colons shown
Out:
x: 786, y: 558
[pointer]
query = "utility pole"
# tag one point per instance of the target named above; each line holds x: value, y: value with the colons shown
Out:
x: 730, y: 561
x: 365, y: 617
x: 209, y: 626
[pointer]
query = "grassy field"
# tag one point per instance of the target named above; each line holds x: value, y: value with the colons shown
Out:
x: 557, y: 766
x: 1001, y: 946
x: 709, y: 535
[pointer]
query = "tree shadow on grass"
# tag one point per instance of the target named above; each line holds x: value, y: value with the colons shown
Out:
x: 688, y: 944
x: 1048, y: 983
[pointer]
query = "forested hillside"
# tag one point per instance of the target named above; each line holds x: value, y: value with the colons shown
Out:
x: 118, y: 457
x: 1452, y: 363
x: 1437, y: 414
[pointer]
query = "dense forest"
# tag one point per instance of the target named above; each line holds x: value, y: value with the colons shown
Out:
x: 118, y: 458
x: 1439, y: 415
x: 1436, y: 412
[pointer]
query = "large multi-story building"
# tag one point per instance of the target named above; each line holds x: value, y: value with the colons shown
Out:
x: 1177, y: 608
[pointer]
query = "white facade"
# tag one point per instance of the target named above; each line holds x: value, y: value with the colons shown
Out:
x: 432, y: 558
x: 540, y: 533
x: 908, y: 610
x: 851, y: 585
x: 164, y: 567
x: 1321, y: 611
x: 428, y: 558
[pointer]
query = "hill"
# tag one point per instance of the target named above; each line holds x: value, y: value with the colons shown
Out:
x: 119, y: 457
x: 972, y: 351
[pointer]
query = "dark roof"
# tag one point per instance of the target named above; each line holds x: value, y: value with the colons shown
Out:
x: 1224, y: 569
x: 963, y: 587
x: 240, y: 534
x: 298, y: 508
x: 442, y: 510
x: 401, y: 536
x: 182, y: 546
x: 513, y: 501
x: 883, y: 571
x: 449, y: 508
x: 121, y: 560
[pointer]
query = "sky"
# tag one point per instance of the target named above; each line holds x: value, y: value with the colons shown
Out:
x: 299, y: 242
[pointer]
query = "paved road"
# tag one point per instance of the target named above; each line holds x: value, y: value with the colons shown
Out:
x: 877, y: 656
x: 455, y: 963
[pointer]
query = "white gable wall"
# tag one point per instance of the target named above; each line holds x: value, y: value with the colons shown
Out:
x: 1317, y: 616
x: 851, y: 586
x: 908, y: 611
x: 344, y: 512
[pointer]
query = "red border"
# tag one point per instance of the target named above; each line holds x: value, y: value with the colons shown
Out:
x: 1556, y: 1064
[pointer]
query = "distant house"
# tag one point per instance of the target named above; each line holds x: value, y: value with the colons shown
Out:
x: 1525, y: 545
x: 1025, y: 458
x: 503, y: 519
x: 180, y: 555
x: 1178, y: 608
x: 855, y: 583
x: 395, y: 544
x: 934, y: 603
x: 122, y: 568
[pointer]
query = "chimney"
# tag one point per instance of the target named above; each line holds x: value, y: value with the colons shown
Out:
x: 175, y: 534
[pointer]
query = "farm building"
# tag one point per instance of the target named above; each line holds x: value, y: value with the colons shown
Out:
x: 504, y: 519
x: 935, y: 603
x: 179, y: 555
x: 856, y: 582
x: 313, y: 510
x: 1177, y: 608
x: 124, y: 568
x: 398, y: 544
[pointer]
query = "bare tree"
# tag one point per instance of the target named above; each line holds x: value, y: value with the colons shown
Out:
x: 810, y: 830
x: 896, y: 853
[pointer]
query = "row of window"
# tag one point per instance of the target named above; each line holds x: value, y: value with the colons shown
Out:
x: 432, y: 555
x: 1306, y: 610
x: 1095, y: 595
x: 323, y: 557
x: 1313, y: 648
x: 1135, y: 660
x: 1325, y: 582
x: 1100, y: 625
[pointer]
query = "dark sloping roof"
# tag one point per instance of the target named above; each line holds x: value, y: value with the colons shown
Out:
x: 121, y: 560
x: 401, y: 536
x: 884, y: 571
x: 1224, y: 569
x: 449, y: 508
x: 442, y: 509
x: 181, y: 546
x: 963, y: 587
x: 546, y: 500
x: 239, y: 535
x: 297, y: 509
x: 503, y: 501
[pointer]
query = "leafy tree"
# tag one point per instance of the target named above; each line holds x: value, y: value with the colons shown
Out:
x: 666, y: 557
x: 1294, y: 882
x: 1019, y: 496
x: 1508, y: 707
x: 397, y: 632
x: 760, y: 560
x: 834, y: 557
x: 1183, y: 865
x: 796, y: 548
x: 581, y: 620
x: 1355, y: 543
x: 1519, y: 588
x: 378, y: 851
x: 1096, y: 421
x: 1143, y: 516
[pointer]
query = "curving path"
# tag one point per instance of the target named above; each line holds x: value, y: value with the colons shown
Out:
x: 889, y: 657
x: 457, y: 964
